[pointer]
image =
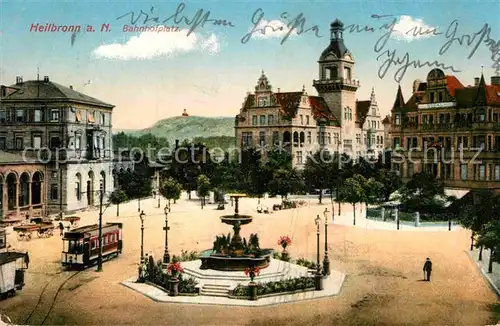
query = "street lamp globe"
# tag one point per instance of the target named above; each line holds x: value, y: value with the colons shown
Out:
x: 317, y: 220
x: 142, y: 215
x: 325, y: 215
x: 166, y: 209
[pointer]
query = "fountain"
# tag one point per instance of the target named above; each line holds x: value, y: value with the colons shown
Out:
x: 234, y: 253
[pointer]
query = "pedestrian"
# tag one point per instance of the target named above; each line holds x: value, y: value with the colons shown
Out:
x: 61, y: 228
x: 427, y: 270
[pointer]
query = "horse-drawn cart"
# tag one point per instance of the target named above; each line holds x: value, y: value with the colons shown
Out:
x: 43, y: 230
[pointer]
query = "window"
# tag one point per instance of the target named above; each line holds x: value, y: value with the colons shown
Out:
x: 490, y: 171
x: 19, y: 143
x: 78, y: 116
x: 336, y: 139
x: 309, y: 136
x: 347, y: 73
x: 482, y: 172
x: 381, y: 139
x: 54, y: 115
x: 276, y: 137
x: 440, y: 97
x: 3, y: 143
x: 397, y: 119
x: 432, y: 97
x: 397, y: 143
x: 262, y: 120
x: 329, y: 138
x: 262, y: 101
x: 358, y: 138
x: 103, y: 118
x: 262, y: 138
x: 37, y: 142
x: 3, y: 116
x: 93, y: 244
x: 246, y: 139
x: 270, y: 119
x: 307, y: 120
x: 301, y: 119
x: 497, y: 172
x: 254, y: 120
x: 55, y: 142
x: 481, y: 115
x: 38, y: 115
x: 78, y: 142
x: 19, y: 115
x: 54, y: 192
x: 299, y: 158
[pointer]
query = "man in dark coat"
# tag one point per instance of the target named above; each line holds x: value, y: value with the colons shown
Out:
x: 427, y: 270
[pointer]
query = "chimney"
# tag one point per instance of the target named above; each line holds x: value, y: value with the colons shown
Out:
x: 279, y: 89
x: 70, y: 86
x: 19, y: 80
x: 46, y: 79
x: 476, y: 81
x: 495, y: 80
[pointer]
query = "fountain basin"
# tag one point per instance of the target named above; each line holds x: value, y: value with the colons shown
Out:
x: 233, y: 219
x: 211, y: 260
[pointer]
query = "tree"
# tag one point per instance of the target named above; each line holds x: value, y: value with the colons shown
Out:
x: 374, y: 192
x: 116, y: 198
x: 352, y: 192
x: 317, y: 172
x: 489, y: 237
x: 422, y: 193
x: 203, y: 188
x: 391, y: 181
x: 171, y: 190
x: 284, y: 182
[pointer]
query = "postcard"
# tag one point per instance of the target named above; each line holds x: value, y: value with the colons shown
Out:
x: 249, y: 163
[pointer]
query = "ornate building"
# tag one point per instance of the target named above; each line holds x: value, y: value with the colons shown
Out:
x: 334, y: 120
x: 69, y: 133
x: 449, y: 130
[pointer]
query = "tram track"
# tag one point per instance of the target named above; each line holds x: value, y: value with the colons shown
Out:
x: 48, y: 297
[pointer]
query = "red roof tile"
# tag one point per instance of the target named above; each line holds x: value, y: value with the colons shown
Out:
x: 452, y: 83
x: 289, y: 102
x: 320, y: 108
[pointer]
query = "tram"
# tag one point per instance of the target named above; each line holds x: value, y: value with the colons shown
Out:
x: 12, y: 267
x: 81, y: 245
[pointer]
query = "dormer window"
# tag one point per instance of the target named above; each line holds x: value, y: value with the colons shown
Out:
x: 262, y: 101
x: 397, y: 119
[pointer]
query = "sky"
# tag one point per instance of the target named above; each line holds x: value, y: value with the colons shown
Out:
x: 152, y: 75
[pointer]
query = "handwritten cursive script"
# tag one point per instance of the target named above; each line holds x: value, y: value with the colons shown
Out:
x: 294, y: 25
x: 199, y: 19
x: 404, y: 63
x: 474, y: 40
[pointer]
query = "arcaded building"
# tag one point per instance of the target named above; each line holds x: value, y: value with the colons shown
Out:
x: 449, y: 130
x: 303, y: 123
x: 68, y: 132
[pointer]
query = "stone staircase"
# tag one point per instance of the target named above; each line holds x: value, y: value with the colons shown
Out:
x: 215, y: 290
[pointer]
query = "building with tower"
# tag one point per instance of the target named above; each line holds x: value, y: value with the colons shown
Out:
x: 449, y: 130
x: 303, y: 123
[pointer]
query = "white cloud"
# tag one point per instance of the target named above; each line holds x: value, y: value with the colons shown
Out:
x: 411, y: 29
x: 153, y: 44
x: 271, y: 29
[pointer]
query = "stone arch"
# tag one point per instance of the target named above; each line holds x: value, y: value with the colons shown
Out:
x: 36, y: 188
x: 286, y: 137
x: 90, y: 189
x: 78, y: 186
x: 11, y: 181
x: 24, y: 192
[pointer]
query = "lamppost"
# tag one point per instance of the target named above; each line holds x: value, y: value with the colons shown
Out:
x: 326, y: 261
x: 158, y: 186
x: 318, y: 278
x: 99, y: 257
x: 166, y: 256
x: 139, y: 204
x: 141, y: 216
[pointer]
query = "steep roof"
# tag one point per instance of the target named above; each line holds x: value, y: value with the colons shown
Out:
x: 48, y: 90
x: 399, y: 103
x: 452, y: 83
x: 362, y: 108
x: 387, y: 120
x: 320, y: 109
x: 289, y: 102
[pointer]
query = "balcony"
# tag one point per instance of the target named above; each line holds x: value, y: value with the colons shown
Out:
x: 350, y: 82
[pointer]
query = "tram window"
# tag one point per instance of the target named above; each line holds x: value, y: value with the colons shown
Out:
x: 74, y: 246
x: 94, y: 244
x: 104, y: 239
x: 112, y: 238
